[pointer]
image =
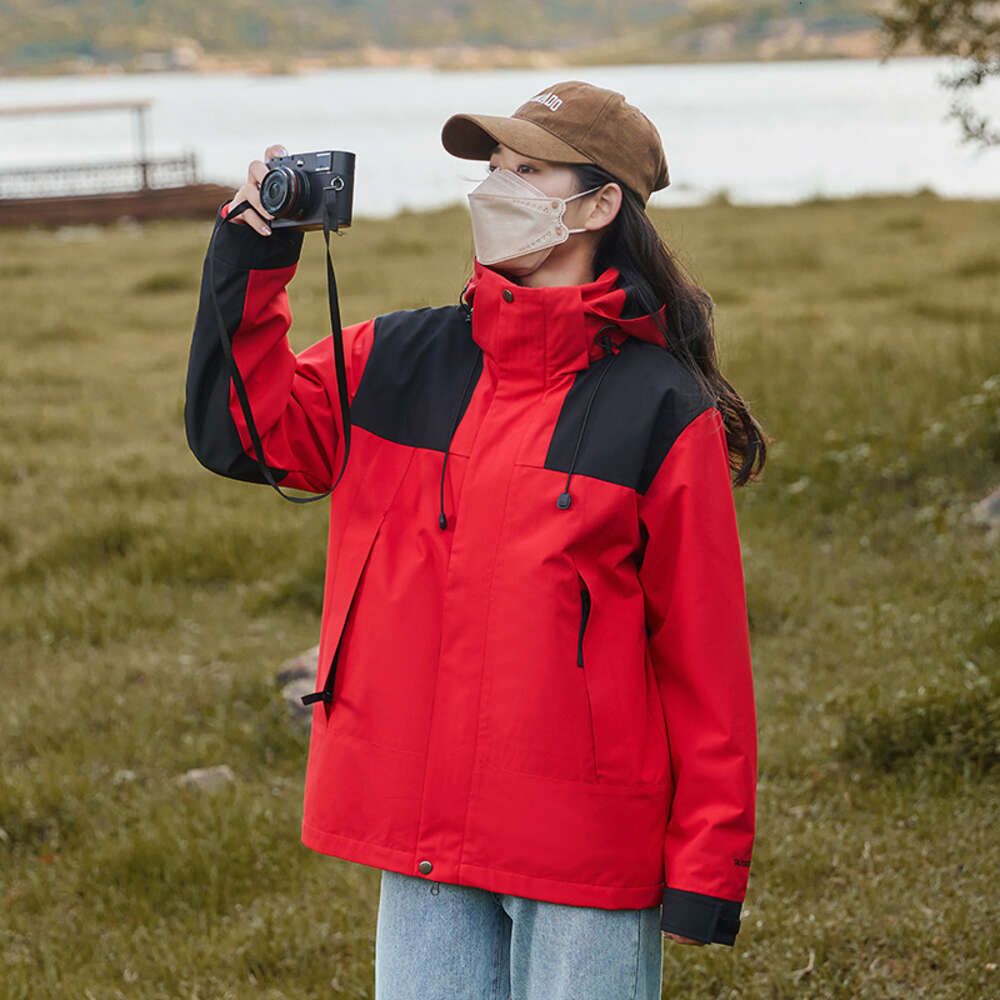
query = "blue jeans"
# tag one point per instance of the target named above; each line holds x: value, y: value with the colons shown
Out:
x: 437, y: 941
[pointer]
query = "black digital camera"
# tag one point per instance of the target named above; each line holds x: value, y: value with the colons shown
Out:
x: 297, y: 189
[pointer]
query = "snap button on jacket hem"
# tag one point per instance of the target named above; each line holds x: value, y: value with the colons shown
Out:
x: 533, y: 642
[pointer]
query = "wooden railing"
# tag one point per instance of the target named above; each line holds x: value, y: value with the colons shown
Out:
x: 98, y: 178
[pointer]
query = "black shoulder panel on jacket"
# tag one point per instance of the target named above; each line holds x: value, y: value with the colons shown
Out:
x: 645, y: 401
x: 412, y: 384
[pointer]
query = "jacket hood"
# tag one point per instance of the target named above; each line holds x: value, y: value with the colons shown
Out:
x: 586, y: 310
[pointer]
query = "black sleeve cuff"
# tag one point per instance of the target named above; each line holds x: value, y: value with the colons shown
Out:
x: 245, y: 248
x: 700, y: 917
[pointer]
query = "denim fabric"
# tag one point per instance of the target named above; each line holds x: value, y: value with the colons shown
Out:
x: 436, y: 941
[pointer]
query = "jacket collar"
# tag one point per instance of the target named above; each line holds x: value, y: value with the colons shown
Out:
x: 548, y: 332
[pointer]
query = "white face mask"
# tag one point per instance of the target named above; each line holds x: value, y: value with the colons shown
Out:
x: 511, y: 217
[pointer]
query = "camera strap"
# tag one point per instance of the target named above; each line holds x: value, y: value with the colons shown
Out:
x: 329, y: 217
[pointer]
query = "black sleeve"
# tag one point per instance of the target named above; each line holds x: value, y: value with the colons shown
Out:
x: 211, y: 434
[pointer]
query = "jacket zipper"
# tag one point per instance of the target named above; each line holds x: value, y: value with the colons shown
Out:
x: 584, y: 615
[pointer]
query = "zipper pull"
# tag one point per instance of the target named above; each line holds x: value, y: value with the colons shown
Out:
x: 308, y: 699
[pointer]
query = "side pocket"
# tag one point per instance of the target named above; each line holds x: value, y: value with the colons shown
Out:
x: 584, y: 616
x: 585, y: 605
x: 332, y: 674
x: 325, y: 694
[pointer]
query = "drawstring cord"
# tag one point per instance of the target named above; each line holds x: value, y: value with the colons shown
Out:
x: 564, y: 500
x: 337, y: 336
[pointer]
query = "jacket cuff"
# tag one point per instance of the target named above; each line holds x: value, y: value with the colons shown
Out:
x: 245, y: 248
x: 700, y: 917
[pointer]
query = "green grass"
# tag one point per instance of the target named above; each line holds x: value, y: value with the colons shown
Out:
x: 147, y: 605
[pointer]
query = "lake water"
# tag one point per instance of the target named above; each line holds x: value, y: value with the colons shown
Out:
x: 766, y: 132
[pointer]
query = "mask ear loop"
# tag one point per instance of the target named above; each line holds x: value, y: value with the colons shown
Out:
x: 579, y: 194
x: 329, y: 217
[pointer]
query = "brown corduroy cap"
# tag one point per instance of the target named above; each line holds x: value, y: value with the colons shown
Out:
x: 570, y: 122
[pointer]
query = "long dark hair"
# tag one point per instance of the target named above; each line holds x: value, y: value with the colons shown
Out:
x: 653, y: 277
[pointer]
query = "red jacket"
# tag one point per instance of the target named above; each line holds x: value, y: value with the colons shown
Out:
x: 534, y: 664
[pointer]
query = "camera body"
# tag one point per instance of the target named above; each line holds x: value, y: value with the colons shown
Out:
x: 296, y: 187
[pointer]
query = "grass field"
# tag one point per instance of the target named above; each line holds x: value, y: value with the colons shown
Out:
x: 146, y: 605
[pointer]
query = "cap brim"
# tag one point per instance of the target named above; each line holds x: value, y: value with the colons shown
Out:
x: 473, y: 137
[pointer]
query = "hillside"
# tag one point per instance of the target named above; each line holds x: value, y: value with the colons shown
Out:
x: 181, y: 34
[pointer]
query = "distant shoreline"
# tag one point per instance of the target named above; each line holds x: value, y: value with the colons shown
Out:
x: 853, y: 45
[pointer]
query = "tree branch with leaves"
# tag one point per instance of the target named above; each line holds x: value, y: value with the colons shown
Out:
x: 966, y: 29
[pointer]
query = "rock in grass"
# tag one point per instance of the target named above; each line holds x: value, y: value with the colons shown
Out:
x: 293, y: 693
x: 208, y: 779
x: 297, y: 677
x: 302, y: 665
x: 987, y: 510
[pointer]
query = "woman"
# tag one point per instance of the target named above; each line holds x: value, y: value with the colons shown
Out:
x: 534, y: 707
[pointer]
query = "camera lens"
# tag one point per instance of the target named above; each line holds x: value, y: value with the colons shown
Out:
x: 282, y: 192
